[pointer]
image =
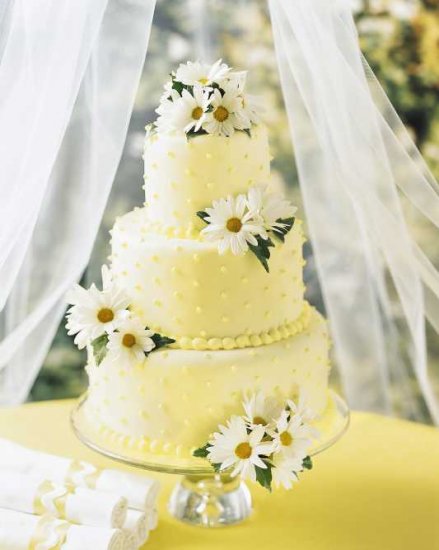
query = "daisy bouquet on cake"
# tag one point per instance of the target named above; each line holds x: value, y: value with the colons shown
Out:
x: 249, y: 222
x: 269, y: 444
x: 104, y: 321
x: 206, y: 99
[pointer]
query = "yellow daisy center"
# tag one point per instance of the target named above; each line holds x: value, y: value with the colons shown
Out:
x: 203, y: 80
x: 221, y: 114
x: 128, y: 340
x: 259, y: 421
x: 286, y: 439
x: 197, y: 113
x: 105, y: 315
x: 234, y: 225
x: 243, y: 450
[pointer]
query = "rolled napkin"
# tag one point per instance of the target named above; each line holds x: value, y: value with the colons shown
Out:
x: 89, y: 507
x: 80, y: 537
x: 137, y: 522
x: 130, y: 541
x: 18, y: 458
x: 140, y: 492
x: 20, y: 531
x: 33, y: 494
x: 14, y: 456
x: 153, y: 519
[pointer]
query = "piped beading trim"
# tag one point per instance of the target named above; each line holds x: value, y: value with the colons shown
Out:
x: 145, y: 226
x: 144, y: 444
x: 282, y: 332
x: 155, y: 446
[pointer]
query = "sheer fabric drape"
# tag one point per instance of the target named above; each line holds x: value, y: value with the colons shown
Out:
x: 69, y: 72
x: 355, y: 163
x: 68, y: 76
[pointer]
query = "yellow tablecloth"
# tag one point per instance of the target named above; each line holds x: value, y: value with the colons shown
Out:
x: 376, y: 489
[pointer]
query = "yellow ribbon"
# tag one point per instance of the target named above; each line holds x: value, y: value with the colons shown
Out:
x: 88, y: 473
x: 50, y: 534
x: 48, y: 490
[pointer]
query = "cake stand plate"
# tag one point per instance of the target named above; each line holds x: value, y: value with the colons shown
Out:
x: 202, y: 497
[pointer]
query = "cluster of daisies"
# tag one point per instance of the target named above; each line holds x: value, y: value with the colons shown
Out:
x: 269, y: 443
x: 206, y: 99
x: 246, y: 222
x: 102, y: 319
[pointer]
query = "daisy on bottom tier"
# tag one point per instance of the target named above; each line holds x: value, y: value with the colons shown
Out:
x: 174, y: 399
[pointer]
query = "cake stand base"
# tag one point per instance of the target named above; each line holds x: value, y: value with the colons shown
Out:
x: 210, y: 501
x: 202, y: 497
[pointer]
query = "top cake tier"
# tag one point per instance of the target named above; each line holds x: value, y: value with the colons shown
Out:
x: 185, y: 174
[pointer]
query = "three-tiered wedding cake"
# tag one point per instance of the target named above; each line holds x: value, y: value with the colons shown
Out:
x: 214, y: 262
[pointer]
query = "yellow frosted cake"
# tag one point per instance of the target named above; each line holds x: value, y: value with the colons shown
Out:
x: 212, y: 263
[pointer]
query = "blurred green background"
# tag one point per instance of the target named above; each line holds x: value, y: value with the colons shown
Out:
x: 400, y: 39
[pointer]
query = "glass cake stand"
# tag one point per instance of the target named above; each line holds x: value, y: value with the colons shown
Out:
x: 202, y: 497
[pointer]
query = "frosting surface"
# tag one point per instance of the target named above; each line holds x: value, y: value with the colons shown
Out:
x: 238, y: 329
x: 184, y: 175
x: 185, y: 289
x: 176, y: 398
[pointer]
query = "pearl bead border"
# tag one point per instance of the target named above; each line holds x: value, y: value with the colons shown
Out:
x: 143, y: 444
x: 277, y: 334
x: 156, y: 446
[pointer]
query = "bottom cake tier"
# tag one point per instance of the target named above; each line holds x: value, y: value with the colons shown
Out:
x: 174, y: 400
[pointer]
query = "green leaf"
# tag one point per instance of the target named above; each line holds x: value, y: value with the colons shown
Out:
x: 161, y: 341
x: 192, y: 133
x: 203, y: 215
x: 179, y: 87
x: 280, y: 232
x: 307, y: 463
x: 264, y: 476
x: 262, y: 251
x: 248, y: 132
x: 99, y: 346
x: 202, y: 452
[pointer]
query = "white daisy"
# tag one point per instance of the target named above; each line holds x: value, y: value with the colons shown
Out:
x: 226, y: 114
x: 192, y: 73
x: 301, y: 409
x: 261, y: 410
x: 231, y: 225
x: 166, y: 112
x: 189, y: 111
x: 251, y: 108
x: 270, y: 207
x: 96, y: 312
x: 284, y: 470
x: 235, y: 79
x: 167, y: 91
x: 130, y: 343
x: 291, y: 436
x: 235, y: 447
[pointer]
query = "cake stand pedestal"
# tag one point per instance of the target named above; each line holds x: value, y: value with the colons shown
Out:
x: 210, y: 500
x: 202, y: 497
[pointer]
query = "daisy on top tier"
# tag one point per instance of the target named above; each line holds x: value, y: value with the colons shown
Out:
x: 206, y: 99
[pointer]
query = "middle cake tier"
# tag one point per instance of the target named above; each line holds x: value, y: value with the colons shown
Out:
x: 185, y: 289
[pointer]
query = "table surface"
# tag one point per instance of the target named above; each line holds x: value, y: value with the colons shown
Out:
x: 376, y: 489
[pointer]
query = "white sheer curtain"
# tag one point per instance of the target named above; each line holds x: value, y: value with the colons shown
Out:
x: 356, y: 163
x: 69, y: 72
x: 68, y: 76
